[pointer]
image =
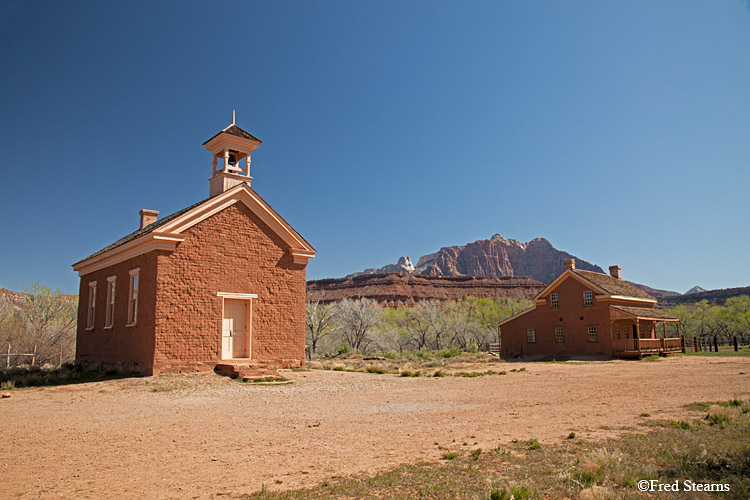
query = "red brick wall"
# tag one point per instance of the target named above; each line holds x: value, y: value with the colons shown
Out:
x: 572, y: 315
x: 231, y: 251
x: 126, y: 347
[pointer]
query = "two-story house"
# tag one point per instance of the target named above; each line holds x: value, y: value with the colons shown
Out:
x: 585, y: 313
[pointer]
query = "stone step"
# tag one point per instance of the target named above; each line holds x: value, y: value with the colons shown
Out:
x: 246, y: 369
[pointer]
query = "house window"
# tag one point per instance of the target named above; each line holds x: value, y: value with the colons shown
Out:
x: 588, y: 298
x: 617, y: 331
x: 110, y: 313
x: 554, y: 300
x: 92, y: 306
x: 133, y: 297
x: 593, y: 334
x: 530, y: 336
x: 559, y: 335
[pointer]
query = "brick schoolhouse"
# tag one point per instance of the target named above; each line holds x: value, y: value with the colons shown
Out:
x: 585, y: 313
x: 223, y: 279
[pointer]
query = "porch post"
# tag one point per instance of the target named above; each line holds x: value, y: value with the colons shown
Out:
x: 637, y: 335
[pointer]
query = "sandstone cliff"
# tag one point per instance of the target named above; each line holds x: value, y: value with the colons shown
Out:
x: 394, y: 289
x: 497, y: 257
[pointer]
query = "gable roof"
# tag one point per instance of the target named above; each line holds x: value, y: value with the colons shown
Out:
x: 603, y: 284
x: 141, y: 232
x: 612, y: 285
x: 168, y: 232
x: 236, y: 131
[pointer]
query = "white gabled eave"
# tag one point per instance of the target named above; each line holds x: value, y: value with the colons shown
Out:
x: 169, y: 235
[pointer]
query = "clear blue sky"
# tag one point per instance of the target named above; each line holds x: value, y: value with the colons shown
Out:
x: 619, y: 131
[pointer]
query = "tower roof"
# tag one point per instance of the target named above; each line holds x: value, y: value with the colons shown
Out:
x: 236, y: 131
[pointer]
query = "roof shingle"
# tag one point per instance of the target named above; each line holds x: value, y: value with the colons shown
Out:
x: 613, y: 286
x: 645, y: 312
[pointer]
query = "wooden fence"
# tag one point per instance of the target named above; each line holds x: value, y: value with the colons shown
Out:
x: 716, y: 344
x: 18, y: 355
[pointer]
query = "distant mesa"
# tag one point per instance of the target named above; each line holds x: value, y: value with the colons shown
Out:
x: 696, y: 289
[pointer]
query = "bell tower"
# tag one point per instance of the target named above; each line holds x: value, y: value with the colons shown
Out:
x: 230, y: 153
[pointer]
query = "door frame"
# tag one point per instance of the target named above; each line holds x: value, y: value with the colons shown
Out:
x: 248, y: 298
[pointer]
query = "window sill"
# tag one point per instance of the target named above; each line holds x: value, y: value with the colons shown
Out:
x: 108, y: 327
x: 90, y: 329
x: 131, y: 324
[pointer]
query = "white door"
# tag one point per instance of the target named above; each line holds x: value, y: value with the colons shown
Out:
x: 233, y: 330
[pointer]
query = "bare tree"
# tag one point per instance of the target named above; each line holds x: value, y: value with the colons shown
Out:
x: 42, y: 321
x: 318, y: 322
x: 355, y: 318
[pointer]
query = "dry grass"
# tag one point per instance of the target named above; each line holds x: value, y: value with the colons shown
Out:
x: 427, y: 363
x: 702, y: 451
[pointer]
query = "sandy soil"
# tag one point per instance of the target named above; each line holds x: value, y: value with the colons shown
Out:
x: 204, y: 436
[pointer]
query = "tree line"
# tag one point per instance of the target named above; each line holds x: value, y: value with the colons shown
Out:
x: 365, y: 326
x: 471, y: 323
x: 702, y: 319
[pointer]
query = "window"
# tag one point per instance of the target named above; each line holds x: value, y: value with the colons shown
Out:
x: 554, y: 300
x: 92, y: 306
x: 588, y: 298
x: 559, y: 336
x: 530, y: 336
x: 109, y: 319
x: 133, y: 297
x: 593, y: 334
x: 617, y: 331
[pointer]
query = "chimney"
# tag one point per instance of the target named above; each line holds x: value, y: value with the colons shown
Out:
x: 570, y: 264
x: 614, y: 271
x: 148, y: 217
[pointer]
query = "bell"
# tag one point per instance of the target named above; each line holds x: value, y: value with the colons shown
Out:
x: 232, y: 160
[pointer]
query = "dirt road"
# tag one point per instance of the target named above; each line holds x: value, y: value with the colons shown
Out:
x: 200, y: 436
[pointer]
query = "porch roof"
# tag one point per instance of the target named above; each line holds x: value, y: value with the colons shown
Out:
x: 622, y: 312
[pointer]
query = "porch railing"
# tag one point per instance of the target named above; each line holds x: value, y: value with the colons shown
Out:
x: 647, y: 345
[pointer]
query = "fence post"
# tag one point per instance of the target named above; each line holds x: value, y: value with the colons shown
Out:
x: 33, y: 356
x: 716, y: 345
x: 7, y: 360
x: 682, y: 343
x: 736, y: 347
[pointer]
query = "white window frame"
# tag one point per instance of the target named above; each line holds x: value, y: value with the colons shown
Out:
x: 109, y: 317
x: 133, y: 296
x: 588, y: 298
x: 531, y: 336
x: 593, y: 332
x: 91, y: 309
x: 554, y: 300
x: 559, y: 334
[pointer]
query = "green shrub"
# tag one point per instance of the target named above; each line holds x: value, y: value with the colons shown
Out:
x: 343, y: 348
x: 450, y: 456
x: 375, y: 369
x: 475, y: 454
x: 450, y: 352
x: 572, y: 435
x: 438, y: 373
x: 717, y: 418
x: 533, y: 444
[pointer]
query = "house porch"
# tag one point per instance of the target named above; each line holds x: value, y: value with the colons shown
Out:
x: 638, y: 332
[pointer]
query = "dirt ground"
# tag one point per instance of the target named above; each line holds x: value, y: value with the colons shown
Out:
x: 203, y: 436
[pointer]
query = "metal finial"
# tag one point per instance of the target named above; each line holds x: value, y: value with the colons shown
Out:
x: 232, y: 117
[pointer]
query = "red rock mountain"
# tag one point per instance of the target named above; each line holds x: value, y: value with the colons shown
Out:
x: 497, y: 257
